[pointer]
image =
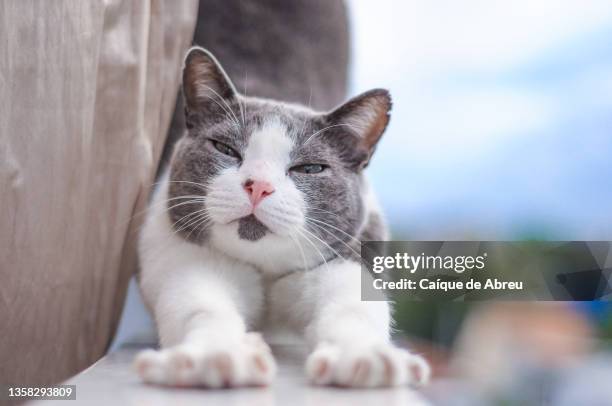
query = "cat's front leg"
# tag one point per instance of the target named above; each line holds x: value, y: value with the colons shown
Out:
x: 349, y: 337
x: 202, y: 312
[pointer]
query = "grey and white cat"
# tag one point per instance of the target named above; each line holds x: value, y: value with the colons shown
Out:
x: 257, y: 220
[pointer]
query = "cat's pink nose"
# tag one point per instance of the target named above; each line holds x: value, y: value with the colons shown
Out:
x: 258, y: 190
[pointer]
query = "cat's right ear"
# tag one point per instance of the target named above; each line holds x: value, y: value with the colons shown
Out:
x: 206, y: 86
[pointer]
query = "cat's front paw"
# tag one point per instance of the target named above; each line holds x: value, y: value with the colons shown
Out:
x: 366, y: 366
x: 248, y: 362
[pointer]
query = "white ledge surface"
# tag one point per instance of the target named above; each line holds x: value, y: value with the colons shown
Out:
x: 112, y: 381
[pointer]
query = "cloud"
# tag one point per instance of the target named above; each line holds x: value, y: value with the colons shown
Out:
x: 426, y: 36
x: 448, y: 125
x: 501, y: 111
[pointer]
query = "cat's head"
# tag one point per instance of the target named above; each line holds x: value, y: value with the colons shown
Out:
x: 252, y: 172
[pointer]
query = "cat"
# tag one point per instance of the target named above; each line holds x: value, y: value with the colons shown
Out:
x: 259, y: 217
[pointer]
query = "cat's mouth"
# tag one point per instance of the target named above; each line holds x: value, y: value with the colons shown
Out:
x: 251, y: 229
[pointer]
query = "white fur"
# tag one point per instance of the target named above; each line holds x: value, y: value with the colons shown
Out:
x: 266, y: 158
x: 206, y: 299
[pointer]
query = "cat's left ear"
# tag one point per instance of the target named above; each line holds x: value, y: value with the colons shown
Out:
x: 366, y: 117
x: 206, y: 86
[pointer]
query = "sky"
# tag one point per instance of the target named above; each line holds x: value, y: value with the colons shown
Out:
x: 502, y: 119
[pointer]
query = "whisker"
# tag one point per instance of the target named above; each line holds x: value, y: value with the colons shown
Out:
x: 156, y: 204
x: 224, y: 101
x: 195, y: 227
x: 202, y: 227
x: 358, y: 255
x: 304, y: 122
x: 195, y: 220
x: 202, y: 185
x: 325, y: 129
x: 229, y: 114
x: 335, y: 228
x: 338, y: 255
x: 243, y: 104
x: 184, y: 218
x: 285, y: 204
x: 300, y: 233
x: 297, y: 242
x: 182, y: 204
x: 335, y: 237
x: 324, y: 211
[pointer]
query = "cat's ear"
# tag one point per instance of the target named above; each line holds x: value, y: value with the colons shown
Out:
x: 366, y: 117
x: 206, y: 86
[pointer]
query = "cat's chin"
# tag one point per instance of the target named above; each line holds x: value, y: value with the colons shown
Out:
x: 251, y: 228
x: 274, y: 252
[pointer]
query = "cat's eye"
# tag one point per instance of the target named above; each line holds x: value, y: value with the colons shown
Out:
x: 225, y: 149
x: 309, y: 168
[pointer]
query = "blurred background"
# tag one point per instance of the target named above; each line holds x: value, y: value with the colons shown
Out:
x: 501, y: 130
x: 502, y: 124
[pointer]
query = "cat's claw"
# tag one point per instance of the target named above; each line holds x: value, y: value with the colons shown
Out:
x: 366, y: 366
x: 245, y: 363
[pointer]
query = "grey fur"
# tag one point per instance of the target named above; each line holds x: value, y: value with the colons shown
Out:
x: 333, y: 197
x: 249, y: 228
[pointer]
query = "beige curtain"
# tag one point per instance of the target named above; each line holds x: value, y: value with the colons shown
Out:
x: 87, y: 90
